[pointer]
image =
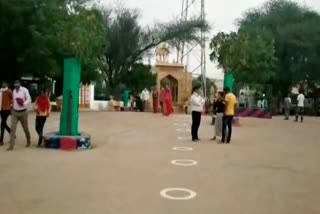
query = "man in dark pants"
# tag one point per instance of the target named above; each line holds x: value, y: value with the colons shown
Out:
x: 43, y: 109
x: 230, y: 106
x: 21, y: 100
x: 197, y: 103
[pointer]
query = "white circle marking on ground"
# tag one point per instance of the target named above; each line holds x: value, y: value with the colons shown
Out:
x: 183, y: 138
x: 191, y: 194
x: 184, y: 162
x: 181, y: 148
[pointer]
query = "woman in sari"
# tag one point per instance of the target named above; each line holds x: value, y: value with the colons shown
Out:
x: 155, y: 100
x: 167, y: 101
x: 161, y: 98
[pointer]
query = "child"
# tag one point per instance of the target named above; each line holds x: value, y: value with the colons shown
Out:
x: 43, y: 109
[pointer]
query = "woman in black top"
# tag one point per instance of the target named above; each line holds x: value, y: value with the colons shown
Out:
x: 218, y: 110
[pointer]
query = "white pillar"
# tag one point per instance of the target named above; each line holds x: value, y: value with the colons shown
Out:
x: 91, y: 96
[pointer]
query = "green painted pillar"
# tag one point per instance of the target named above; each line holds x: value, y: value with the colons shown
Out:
x: 228, y: 80
x: 125, y: 98
x: 69, y: 117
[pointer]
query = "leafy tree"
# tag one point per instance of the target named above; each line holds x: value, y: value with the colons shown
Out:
x: 209, y: 84
x: 249, y: 56
x: 128, y: 42
x: 140, y: 77
x: 295, y: 32
x: 220, y: 46
x: 36, y: 36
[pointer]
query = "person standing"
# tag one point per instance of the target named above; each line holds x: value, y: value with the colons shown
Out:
x: 21, y: 100
x: 167, y: 101
x: 161, y: 98
x: 43, y: 109
x: 300, y: 106
x: 5, y: 110
x: 230, y: 107
x: 155, y: 100
x: 287, y: 107
x: 197, y: 102
x: 145, y: 97
x: 218, y: 110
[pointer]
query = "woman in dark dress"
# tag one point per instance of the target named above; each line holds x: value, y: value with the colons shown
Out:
x: 218, y: 110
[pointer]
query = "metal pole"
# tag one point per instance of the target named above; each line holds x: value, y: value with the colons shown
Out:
x: 185, y: 18
x: 203, y: 51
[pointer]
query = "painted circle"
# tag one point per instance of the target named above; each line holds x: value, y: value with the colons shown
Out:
x: 183, y: 138
x: 184, y: 162
x: 182, y: 148
x: 191, y: 194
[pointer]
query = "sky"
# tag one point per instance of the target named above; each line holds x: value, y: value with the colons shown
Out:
x: 221, y: 14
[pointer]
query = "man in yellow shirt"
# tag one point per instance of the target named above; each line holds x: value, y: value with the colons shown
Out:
x: 230, y: 108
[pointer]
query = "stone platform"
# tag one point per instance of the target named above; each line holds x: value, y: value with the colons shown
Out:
x: 53, y: 140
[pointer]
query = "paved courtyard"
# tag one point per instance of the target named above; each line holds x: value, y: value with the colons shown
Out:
x: 271, y: 167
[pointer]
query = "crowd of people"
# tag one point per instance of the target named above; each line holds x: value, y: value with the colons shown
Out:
x: 224, y: 108
x: 15, y: 103
x: 161, y: 101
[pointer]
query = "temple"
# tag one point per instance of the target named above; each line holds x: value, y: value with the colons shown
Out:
x: 175, y: 74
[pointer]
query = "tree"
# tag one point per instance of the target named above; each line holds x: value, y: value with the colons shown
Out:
x: 37, y: 35
x: 295, y: 32
x: 248, y: 56
x: 128, y: 42
x: 209, y: 85
x: 140, y: 77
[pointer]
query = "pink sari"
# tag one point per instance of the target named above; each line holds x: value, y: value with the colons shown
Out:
x: 167, y: 102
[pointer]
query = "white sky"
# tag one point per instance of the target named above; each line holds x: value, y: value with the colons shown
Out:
x: 221, y: 14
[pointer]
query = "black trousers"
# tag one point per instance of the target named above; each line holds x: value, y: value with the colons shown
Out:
x: 196, y: 120
x: 227, y: 124
x: 4, y: 126
x: 299, y: 112
x: 40, y: 121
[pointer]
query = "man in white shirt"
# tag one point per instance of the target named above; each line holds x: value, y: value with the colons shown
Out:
x: 300, y: 106
x: 197, y: 103
x: 21, y: 100
x: 145, y: 97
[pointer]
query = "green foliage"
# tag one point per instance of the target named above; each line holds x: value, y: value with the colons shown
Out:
x: 277, y: 43
x: 295, y: 32
x: 249, y: 56
x: 197, y: 82
x: 140, y: 77
x: 37, y: 35
x: 129, y: 42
